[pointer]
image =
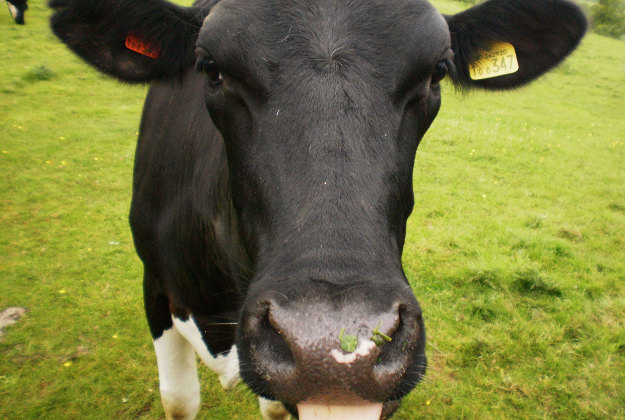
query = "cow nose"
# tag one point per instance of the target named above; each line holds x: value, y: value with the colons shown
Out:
x: 321, y: 352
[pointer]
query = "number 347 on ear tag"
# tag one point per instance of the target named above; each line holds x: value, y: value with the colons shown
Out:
x: 496, y: 61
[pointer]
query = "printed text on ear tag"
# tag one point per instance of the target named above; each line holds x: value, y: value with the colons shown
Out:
x: 136, y: 44
x: 498, y: 60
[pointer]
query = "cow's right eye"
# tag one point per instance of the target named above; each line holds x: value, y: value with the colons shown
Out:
x: 209, y: 67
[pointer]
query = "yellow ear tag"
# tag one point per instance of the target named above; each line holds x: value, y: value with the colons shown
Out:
x: 496, y: 61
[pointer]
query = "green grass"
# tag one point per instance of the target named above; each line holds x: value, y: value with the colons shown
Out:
x: 516, y: 247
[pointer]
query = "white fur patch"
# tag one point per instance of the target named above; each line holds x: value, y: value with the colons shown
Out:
x: 226, y: 366
x: 272, y: 410
x: 364, y: 348
x: 179, y: 386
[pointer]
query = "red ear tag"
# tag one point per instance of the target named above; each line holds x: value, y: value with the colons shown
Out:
x: 136, y: 44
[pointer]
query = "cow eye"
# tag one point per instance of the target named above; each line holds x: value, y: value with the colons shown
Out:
x: 209, y: 67
x: 440, y: 71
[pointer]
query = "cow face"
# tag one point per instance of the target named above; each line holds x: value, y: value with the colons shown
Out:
x: 321, y: 106
x: 321, y: 115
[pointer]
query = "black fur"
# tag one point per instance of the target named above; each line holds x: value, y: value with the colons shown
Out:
x: 182, y: 219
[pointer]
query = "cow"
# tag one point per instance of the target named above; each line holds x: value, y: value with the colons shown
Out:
x: 17, y: 8
x: 273, y: 178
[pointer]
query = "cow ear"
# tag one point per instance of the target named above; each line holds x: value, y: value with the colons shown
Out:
x: 133, y: 40
x: 542, y: 33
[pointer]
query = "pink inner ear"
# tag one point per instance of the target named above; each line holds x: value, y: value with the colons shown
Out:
x: 136, y: 44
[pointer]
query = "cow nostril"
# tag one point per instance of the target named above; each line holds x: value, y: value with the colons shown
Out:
x: 386, y: 341
x: 402, y: 362
x: 275, y: 352
x: 392, y: 344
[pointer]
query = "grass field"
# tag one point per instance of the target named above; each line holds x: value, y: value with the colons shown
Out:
x: 516, y: 247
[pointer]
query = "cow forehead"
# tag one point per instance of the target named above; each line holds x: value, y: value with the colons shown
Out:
x: 382, y: 35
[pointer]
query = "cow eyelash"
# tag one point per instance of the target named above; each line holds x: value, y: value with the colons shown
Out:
x: 209, y: 67
x: 440, y: 71
x: 445, y: 67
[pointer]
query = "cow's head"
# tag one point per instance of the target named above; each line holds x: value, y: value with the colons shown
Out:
x: 322, y: 105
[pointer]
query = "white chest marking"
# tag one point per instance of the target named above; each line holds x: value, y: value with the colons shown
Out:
x: 226, y: 366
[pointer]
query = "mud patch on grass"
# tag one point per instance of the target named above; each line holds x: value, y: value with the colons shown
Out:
x: 10, y: 316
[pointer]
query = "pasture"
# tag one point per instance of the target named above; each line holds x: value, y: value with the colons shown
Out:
x: 515, y: 249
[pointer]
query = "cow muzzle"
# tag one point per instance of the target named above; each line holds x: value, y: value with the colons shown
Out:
x: 333, y: 356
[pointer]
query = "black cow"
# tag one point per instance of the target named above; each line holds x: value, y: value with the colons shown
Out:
x: 17, y: 9
x: 273, y: 178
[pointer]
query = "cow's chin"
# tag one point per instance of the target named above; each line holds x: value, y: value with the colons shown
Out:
x: 361, y: 410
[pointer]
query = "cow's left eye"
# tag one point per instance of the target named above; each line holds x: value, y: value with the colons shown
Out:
x: 209, y: 67
x: 440, y: 71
